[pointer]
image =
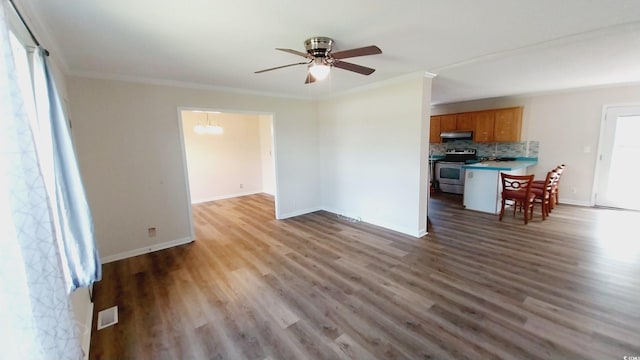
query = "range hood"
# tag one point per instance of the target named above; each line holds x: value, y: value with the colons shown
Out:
x: 456, y: 135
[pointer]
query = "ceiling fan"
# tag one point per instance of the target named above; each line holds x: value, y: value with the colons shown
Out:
x: 321, y: 58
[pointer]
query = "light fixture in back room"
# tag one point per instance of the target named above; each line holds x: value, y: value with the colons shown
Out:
x: 208, y: 127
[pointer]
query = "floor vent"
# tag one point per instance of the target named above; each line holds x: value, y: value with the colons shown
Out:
x: 107, y: 317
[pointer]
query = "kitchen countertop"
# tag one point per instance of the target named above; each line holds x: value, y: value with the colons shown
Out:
x: 493, y: 165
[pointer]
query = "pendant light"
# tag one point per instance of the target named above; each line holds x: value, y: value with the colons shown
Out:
x: 208, y: 128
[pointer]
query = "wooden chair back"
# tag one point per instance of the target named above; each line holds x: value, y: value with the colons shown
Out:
x: 517, y: 188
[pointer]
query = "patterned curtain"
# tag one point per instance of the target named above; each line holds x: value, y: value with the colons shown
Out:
x: 36, y: 321
x: 71, y: 213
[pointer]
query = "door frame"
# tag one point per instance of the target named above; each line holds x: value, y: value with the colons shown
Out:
x: 183, y: 149
x: 598, y: 161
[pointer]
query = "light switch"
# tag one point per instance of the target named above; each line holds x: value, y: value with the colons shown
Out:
x: 587, y: 149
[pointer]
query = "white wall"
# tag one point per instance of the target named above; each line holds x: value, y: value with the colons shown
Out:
x: 129, y: 148
x: 373, y: 154
x: 266, y: 155
x: 223, y: 165
x: 567, y: 124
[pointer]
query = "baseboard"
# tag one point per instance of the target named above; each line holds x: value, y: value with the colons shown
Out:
x: 145, y: 250
x: 298, y: 213
x: 222, y: 197
x: 86, y: 337
x: 577, y: 203
x: 393, y: 227
x: 417, y: 234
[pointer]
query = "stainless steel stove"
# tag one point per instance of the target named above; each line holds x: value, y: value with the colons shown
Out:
x: 449, y: 172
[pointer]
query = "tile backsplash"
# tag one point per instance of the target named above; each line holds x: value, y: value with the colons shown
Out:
x: 515, y: 149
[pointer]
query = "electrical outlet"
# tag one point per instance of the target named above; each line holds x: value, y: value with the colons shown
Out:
x: 574, y: 190
x: 152, y: 232
x: 241, y: 186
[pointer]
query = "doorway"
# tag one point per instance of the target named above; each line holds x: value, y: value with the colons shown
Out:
x: 619, y: 151
x: 227, y: 154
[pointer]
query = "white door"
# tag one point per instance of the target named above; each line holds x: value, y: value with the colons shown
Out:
x: 618, y: 170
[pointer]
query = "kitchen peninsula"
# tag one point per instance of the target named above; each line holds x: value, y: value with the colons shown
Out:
x: 483, y: 185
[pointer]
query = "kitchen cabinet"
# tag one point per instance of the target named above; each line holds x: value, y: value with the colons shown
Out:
x: 448, y: 123
x: 495, y: 125
x: 434, y: 129
x: 484, y: 123
x: 508, y: 125
x: 464, y: 122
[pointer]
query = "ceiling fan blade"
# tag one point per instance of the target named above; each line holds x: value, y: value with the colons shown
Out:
x: 310, y: 79
x: 353, y: 67
x: 294, y: 52
x: 280, y: 67
x: 367, y: 50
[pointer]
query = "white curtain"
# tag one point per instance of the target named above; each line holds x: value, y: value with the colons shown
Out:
x: 36, y: 321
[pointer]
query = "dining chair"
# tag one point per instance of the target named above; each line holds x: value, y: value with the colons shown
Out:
x: 539, y: 184
x: 517, y: 188
x: 543, y: 194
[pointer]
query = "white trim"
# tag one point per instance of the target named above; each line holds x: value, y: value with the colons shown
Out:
x: 524, y: 95
x: 146, y: 250
x: 222, y: 197
x: 545, y: 44
x: 86, y: 336
x: 393, y: 227
x: 596, y: 169
x: 185, y: 171
x: 181, y: 84
x: 417, y: 234
x: 221, y: 110
x: 298, y: 213
x: 576, y: 203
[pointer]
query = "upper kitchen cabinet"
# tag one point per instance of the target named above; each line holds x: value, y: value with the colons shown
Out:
x: 508, y: 125
x: 484, y: 125
x: 464, y: 122
x: 434, y: 129
x: 494, y: 125
x: 448, y: 123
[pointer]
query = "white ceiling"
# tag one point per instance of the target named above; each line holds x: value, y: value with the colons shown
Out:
x: 478, y: 49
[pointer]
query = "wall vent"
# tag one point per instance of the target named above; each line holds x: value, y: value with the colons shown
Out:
x: 107, y: 317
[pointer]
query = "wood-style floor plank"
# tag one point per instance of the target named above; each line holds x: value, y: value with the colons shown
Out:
x: 320, y: 287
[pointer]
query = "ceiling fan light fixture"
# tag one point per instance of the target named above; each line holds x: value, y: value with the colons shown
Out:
x: 319, y: 70
x: 321, y: 58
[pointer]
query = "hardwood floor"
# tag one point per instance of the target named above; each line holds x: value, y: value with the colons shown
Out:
x: 318, y: 287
